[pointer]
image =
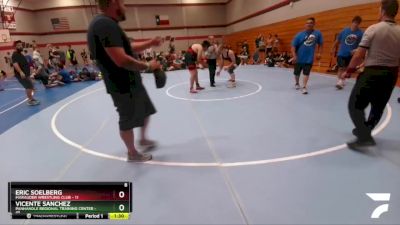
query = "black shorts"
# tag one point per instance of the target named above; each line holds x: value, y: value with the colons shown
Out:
x: 299, y: 67
x: 231, y: 70
x: 25, y: 82
x: 133, y: 108
x: 343, y: 62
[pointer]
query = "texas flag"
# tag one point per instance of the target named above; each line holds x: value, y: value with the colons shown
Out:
x: 162, y: 20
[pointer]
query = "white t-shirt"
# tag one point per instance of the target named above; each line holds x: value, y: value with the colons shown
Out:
x: 36, y: 56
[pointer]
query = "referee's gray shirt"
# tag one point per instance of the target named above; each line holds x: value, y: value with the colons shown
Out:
x: 383, y: 43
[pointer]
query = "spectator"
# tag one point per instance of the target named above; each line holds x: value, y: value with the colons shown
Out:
x: 61, y: 54
x: 258, y: 40
x: 262, y: 48
x: 148, y: 54
x: 270, y: 60
x: 171, y: 46
x: 53, y: 57
x: 181, y: 59
x: 256, y: 58
x: 246, y: 45
x: 244, y: 56
x: 28, y: 58
x: 84, y: 75
x: 8, y: 60
x: 179, y: 62
x: 34, y: 44
x: 3, y: 76
x: 269, y: 44
x: 84, y: 57
x: 284, y: 60
x: 277, y: 43
x: 71, y: 56
x: 66, y: 77
x: 40, y: 73
x: 36, y: 55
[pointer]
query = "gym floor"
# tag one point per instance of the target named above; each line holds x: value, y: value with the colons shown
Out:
x: 261, y: 153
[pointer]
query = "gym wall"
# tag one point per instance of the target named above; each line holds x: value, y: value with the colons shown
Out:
x: 189, y: 23
x: 329, y: 22
x: 238, y: 9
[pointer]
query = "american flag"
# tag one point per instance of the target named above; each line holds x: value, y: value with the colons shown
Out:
x: 60, y: 23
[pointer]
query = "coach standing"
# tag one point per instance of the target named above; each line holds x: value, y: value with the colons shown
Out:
x: 23, y: 72
x: 114, y: 54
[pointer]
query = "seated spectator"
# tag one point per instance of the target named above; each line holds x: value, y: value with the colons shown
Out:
x: 180, y: 60
x: 42, y: 74
x: 84, y: 75
x: 285, y: 60
x: 244, y: 56
x: 66, y: 77
x: 270, y: 60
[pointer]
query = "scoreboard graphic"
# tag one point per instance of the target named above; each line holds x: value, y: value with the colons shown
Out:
x: 70, y: 200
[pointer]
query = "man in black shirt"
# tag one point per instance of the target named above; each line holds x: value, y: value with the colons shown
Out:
x: 114, y: 55
x: 22, y: 72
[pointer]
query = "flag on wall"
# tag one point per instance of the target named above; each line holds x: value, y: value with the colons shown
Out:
x: 60, y: 23
x: 162, y: 20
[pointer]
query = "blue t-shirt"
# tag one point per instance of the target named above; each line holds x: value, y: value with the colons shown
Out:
x: 349, y: 41
x: 66, y: 77
x: 305, y: 43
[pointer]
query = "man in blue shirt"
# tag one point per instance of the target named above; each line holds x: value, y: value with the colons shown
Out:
x: 348, y: 41
x: 303, y: 50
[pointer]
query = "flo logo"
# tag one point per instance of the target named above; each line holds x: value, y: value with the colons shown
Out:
x: 379, y: 197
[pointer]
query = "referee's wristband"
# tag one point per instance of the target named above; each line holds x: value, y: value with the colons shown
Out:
x: 351, y: 70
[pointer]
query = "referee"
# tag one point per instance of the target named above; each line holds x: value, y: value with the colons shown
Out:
x: 114, y: 54
x: 211, y: 54
x: 380, y: 50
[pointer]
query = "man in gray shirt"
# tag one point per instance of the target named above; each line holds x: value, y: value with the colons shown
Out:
x: 380, y: 51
